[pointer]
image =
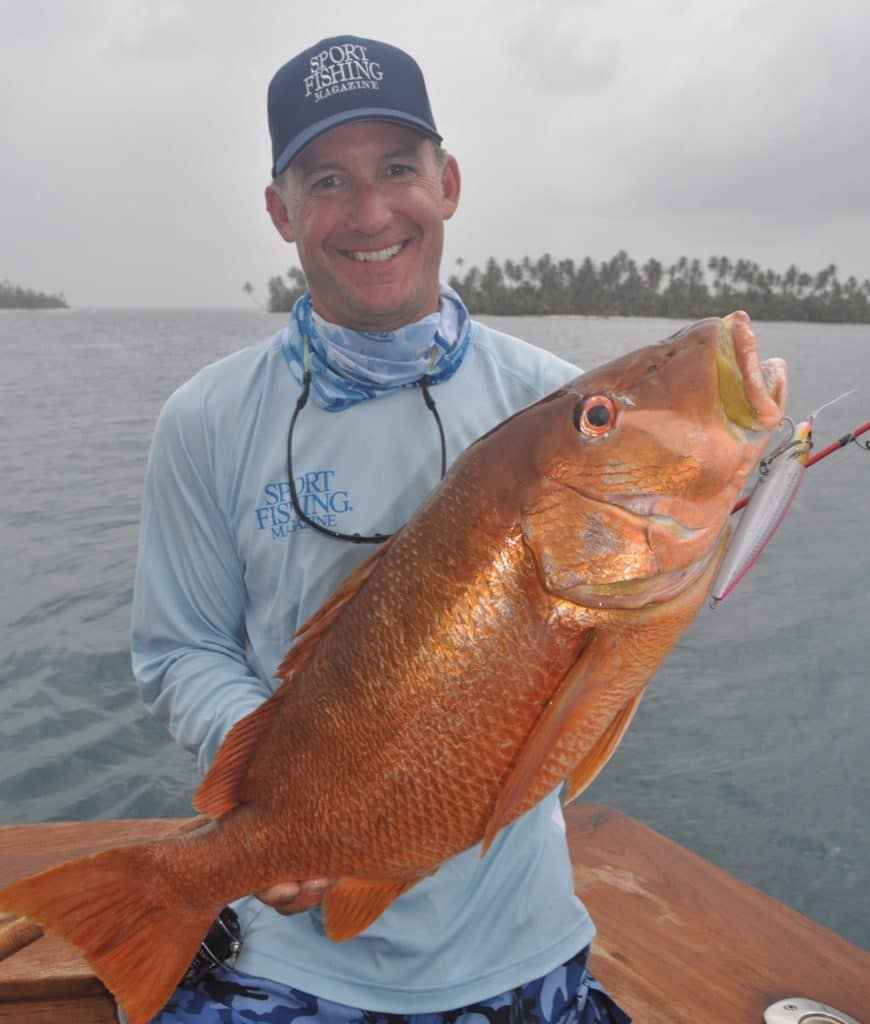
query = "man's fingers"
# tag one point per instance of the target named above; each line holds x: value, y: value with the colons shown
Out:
x: 316, y: 887
x: 294, y: 897
x: 284, y: 892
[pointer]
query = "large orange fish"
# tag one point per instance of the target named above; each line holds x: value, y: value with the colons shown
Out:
x: 528, y: 629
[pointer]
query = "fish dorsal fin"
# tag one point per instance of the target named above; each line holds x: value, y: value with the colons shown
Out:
x: 220, y: 790
x: 588, y: 700
x: 306, y: 637
x: 354, y: 903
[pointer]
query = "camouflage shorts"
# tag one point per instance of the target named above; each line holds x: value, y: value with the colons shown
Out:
x: 567, y: 995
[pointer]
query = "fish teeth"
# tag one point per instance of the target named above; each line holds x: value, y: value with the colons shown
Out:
x: 378, y: 256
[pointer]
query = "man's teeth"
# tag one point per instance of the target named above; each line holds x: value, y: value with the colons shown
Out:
x: 375, y: 257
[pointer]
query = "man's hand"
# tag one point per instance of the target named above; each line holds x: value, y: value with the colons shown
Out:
x: 294, y: 897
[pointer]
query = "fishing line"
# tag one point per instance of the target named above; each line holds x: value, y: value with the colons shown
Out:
x: 833, y: 401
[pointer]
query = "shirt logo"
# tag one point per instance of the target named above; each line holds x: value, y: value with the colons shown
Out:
x: 341, y: 68
x: 319, y: 499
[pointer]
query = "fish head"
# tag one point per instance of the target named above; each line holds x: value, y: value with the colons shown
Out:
x: 637, y: 464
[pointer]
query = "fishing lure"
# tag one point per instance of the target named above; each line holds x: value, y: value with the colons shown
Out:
x: 780, y: 475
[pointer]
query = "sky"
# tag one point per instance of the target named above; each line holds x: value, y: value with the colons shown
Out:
x: 135, y: 151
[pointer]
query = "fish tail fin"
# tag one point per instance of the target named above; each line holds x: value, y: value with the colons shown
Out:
x: 113, y: 908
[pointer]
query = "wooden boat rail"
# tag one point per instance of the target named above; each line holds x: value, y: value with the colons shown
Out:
x: 679, y: 940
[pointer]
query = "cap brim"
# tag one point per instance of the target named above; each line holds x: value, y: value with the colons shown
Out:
x: 300, y: 141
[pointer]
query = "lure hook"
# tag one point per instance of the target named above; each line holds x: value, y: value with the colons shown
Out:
x: 765, y: 465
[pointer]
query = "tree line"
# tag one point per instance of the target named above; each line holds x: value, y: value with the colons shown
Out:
x: 686, y: 288
x: 14, y: 297
x: 619, y: 286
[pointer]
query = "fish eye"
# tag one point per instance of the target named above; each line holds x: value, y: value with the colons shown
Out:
x: 595, y: 415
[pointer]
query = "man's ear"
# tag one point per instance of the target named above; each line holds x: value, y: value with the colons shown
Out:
x: 451, y: 186
x: 278, y: 213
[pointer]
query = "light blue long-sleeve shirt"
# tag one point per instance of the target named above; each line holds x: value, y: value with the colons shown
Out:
x: 226, y: 574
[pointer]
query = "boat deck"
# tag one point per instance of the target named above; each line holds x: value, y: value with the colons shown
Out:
x: 679, y: 940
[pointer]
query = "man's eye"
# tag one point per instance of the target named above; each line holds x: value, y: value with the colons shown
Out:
x: 326, y: 183
x: 398, y: 170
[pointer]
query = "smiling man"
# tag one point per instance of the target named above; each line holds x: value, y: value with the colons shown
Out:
x: 365, y: 204
x: 270, y: 473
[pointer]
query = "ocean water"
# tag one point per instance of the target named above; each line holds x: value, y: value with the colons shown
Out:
x: 750, y: 748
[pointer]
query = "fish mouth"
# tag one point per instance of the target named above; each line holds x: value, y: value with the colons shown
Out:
x: 753, y: 392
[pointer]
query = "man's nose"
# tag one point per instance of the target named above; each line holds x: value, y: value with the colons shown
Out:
x: 370, y: 212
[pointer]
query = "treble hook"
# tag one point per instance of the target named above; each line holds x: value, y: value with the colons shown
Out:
x: 790, y: 442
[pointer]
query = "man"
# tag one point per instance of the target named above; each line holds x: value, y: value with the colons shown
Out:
x: 247, y: 529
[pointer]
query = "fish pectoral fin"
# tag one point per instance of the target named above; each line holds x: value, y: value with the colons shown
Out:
x: 591, y: 763
x: 354, y: 903
x: 589, y: 699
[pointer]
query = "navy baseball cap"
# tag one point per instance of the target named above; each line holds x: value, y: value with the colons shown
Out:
x: 344, y: 78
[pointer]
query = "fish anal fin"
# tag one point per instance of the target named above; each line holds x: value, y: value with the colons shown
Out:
x: 354, y: 903
x: 599, y: 684
x: 591, y: 763
x: 138, y: 940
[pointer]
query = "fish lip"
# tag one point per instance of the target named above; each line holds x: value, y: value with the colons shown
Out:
x: 754, y: 393
x: 775, y: 372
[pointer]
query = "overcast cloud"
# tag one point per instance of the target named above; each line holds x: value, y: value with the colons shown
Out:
x: 134, y: 148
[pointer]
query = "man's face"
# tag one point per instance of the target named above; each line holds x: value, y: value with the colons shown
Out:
x: 366, y: 206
